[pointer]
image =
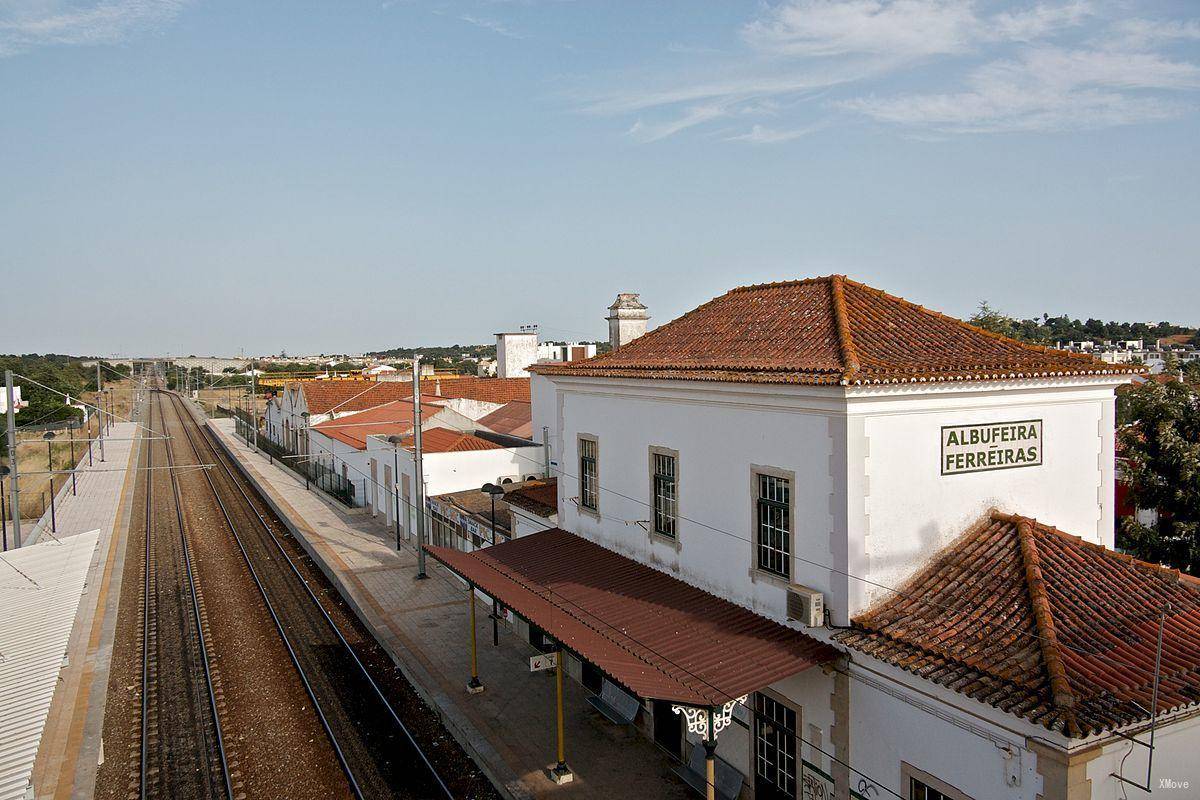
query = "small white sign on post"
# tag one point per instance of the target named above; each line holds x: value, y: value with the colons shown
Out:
x: 543, y: 662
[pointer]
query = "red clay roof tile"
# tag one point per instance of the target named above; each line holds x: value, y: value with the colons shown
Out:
x: 1043, y: 625
x: 829, y: 330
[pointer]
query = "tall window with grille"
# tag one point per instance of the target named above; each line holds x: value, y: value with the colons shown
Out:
x: 773, y: 525
x: 589, y: 485
x: 774, y: 749
x: 666, y: 493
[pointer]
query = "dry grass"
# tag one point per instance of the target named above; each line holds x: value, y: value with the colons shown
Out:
x: 32, y: 455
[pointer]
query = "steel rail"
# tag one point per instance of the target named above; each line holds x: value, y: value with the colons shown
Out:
x: 146, y: 609
x: 191, y: 579
x: 223, y: 459
x: 262, y: 589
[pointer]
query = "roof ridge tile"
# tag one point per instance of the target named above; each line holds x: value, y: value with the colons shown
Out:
x: 837, y: 298
x: 1052, y: 660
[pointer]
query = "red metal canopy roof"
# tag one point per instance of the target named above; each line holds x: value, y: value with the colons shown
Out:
x: 659, y: 637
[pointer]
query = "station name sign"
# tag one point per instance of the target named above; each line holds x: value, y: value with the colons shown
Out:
x: 993, y: 445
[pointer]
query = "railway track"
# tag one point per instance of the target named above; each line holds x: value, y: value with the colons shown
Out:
x: 181, y: 749
x: 376, y: 750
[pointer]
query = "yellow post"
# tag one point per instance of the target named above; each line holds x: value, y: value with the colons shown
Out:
x: 561, y: 773
x: 710, y: 760
x: 474, y: 686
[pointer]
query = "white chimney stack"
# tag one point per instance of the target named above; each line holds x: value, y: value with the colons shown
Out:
x: 515, y: 353
x: 627, y: 320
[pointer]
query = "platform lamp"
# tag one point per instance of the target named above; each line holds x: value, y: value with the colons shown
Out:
x: 49, y: 437
x: 4, y: 470
x: 396, y: 441
x: 493, y: 491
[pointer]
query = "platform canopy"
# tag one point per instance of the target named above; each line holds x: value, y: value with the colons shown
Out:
x: 657, y: 636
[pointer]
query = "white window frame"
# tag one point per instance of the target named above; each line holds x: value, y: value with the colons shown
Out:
x: 756, y: 572
x: 593, y: 511
x: 657, y: 450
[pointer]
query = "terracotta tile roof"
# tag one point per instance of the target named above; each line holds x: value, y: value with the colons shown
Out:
x: 1043, y: 625
x: 654, y: 634
x: 514, y: 419
x: 391, y: 419
x: 445, y: 440
x: 341, y: 397
x: 489, y: 390
x: 538, y: 497
x: 355, y: 395
x: 829, y: 330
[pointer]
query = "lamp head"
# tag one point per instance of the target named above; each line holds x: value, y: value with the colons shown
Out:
x: 492, y: 489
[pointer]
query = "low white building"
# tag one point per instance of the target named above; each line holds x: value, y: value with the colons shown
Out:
x: 340, y: 444
x: 861, y: 476
x: 455, y: 458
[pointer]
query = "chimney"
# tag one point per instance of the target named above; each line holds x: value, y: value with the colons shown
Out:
x: 515, y: 352
x: 627, y: 318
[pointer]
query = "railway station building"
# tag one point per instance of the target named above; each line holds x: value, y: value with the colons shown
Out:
x: 819, y: 541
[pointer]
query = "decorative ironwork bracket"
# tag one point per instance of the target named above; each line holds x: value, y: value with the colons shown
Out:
x: 697, y: 718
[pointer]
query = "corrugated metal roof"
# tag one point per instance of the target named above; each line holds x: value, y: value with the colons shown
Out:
x: 40, y: 587
x: 658, y: 636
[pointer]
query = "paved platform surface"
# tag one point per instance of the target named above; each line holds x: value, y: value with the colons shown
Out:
x: 93, y: 506
x: 71, y: 747
x: 510, y: 727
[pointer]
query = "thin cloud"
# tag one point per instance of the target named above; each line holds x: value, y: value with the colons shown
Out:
x: 25, y: 25
x: 1046, y: 90
x: 760, y: 134
x: 491, y: 25
x: 1016, y: 68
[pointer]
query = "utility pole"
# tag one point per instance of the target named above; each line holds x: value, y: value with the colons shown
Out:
x: 12, y: 457
x: 546, y: 448
x: 253, y: 403
x: 420, y: 481
x: 100, y: 409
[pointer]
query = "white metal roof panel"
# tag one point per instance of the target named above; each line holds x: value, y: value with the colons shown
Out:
x: 40, y: 587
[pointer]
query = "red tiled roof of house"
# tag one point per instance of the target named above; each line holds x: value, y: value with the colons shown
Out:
x: 339, y: 397
x: 391, y: 419
x: 831, y: 331
x: 539, y: 497
x: 446, y: 440
x: 514, y: 418
x: 489, y: 390
x: 1043, y: 625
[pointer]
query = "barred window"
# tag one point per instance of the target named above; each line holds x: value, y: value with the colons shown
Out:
x: 666, y: 505
x: 774, y: 748
x: 773, y: 542
x: 588, y: 475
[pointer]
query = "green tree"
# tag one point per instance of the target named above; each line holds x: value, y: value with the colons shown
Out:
x: 992, y: 320
x: 1159, y: 442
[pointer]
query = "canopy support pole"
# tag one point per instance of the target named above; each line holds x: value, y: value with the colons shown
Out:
x: 474, y: 686
x: 560, y: 773
x: 710, y: 760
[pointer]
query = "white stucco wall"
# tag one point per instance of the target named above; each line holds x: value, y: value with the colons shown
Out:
x: 543, y: 407
x: 523, y: 523
x: 869, y: 497
x: 1176, y: 768
x: 887, y: 733
x: 903, y: 509
x: 515, y: 352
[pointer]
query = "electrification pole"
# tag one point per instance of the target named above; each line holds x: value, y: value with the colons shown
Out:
x: 12, y: 457
x: 254, y: 403
x: 420, y: 481
x: 100, y: 409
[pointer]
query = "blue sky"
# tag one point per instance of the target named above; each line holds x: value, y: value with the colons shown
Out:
x: 201, y: 177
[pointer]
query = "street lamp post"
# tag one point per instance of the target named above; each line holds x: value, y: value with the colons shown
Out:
x: 71, y: 433
x: 49, y: 437
x: 395, y: 441
x: 493, y: 491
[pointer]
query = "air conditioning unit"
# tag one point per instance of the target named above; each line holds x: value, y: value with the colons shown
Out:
x: 806, y: 606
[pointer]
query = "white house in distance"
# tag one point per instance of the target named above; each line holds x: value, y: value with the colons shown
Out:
x: 454, y: 459
x: 341, y: 443
x: 819, y: 517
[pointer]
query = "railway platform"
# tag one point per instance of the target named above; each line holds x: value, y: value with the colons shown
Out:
x: 509, y: 729
x: 71, y: 745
